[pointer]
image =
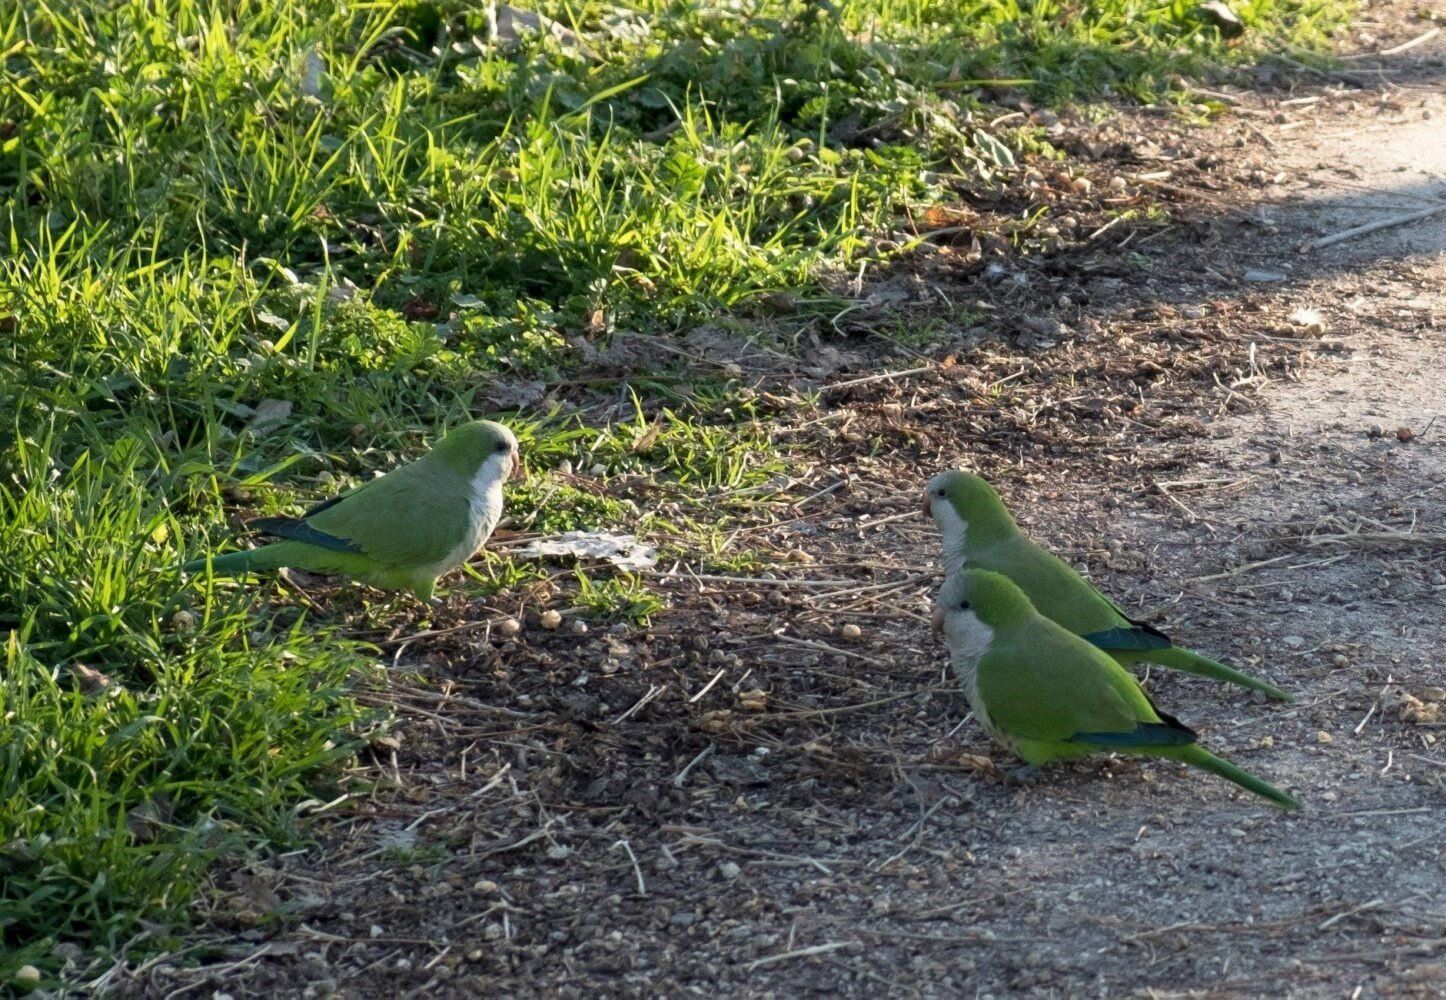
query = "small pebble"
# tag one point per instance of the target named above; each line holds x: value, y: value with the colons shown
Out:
x: 27, y: 975
x: 1118, y: 184
x: 1404, y: 434
x: 509, y: 627
x: 1324, y: 737
x: 850, y: 631
x: 559, y: 852
x: 729, y: 870
x: 376, y: 931
x: 577, y: 627
x: 1375, y: 431
x: 183, y: 621
x: 1329, y: 796
x: 1081, y: 185
x: 550, y: 619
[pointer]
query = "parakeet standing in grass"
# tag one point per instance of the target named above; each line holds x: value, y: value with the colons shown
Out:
x: 979, y: 533
x: 401, y: 531
x: 1045, y: 694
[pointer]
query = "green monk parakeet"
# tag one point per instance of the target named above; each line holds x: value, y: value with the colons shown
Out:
x: 401, y: 531
x: 1045, y: 694
x: 979, y: 533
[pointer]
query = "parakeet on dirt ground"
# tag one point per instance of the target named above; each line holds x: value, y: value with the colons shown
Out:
x: 1045, y: 694
x: 979, y: 533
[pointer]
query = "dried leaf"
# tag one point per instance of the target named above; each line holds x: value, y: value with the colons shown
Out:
x: 268, y: 416
x: 512, y: 393
x: 149, y: 818
x: 92, y: 681
x: 755, y: 700
x: 509, y: 24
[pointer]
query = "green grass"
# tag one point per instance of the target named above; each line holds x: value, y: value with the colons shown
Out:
x: 358, y: 210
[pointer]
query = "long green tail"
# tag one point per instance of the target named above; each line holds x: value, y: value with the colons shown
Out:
x: 1207, y: 761
x: 277, y: 555
x: 1179, y: 658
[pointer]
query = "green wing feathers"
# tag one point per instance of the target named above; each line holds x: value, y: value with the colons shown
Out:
x: 1065, y: 597
x: 1062, y: 696
x: 414, y: 516
x: 1052, y: 586
x: 1057, y: 686
x: 392, y: 531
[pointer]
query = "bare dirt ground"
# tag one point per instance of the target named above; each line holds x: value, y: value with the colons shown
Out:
x: 741, y: 800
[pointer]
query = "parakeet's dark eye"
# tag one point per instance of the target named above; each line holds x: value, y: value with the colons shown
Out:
x: 963, y: 605
x: 503, y: 446
x: 939, y: 492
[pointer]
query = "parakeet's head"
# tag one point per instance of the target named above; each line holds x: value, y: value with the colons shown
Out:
x: 478, y: 446
x: 972, y: 596
x: 961, y: 504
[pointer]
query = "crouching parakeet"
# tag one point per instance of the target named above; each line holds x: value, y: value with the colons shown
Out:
x: 401, y: 531
x: 1045, y: 694
x: 979, y: 533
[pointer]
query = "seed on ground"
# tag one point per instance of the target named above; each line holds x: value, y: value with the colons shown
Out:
x: 509, y: 626
x: 850, y: 631
x: 550, y: 619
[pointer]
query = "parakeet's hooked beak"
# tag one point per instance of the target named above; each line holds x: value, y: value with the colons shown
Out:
x: 519, y: 471
x: 937, y: 621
